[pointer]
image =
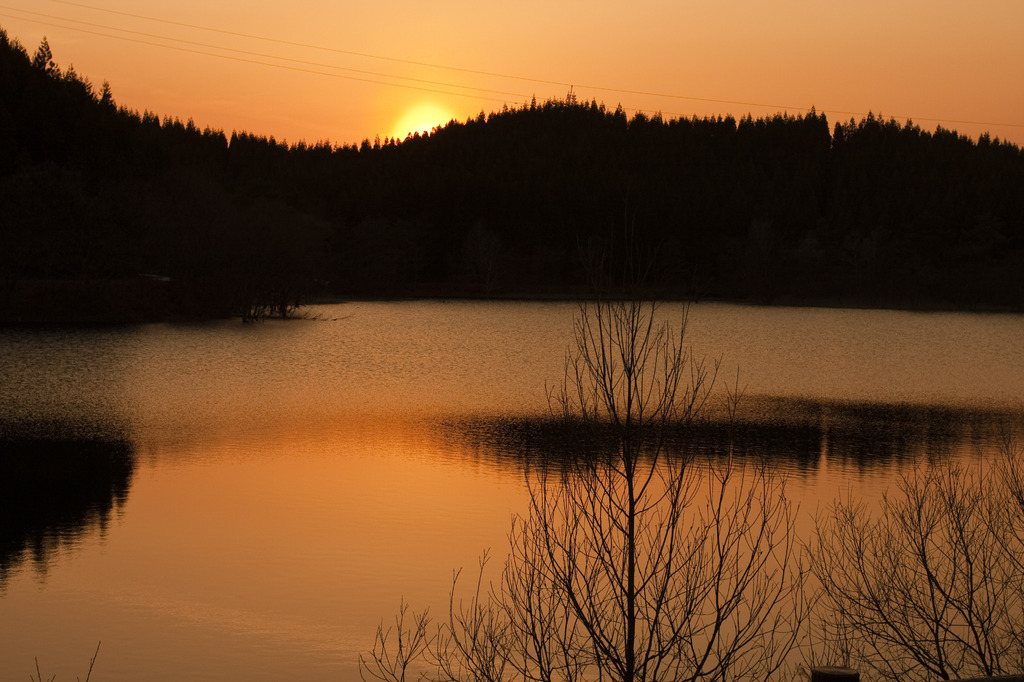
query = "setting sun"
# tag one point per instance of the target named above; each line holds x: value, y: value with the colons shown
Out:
x: 421, y: 118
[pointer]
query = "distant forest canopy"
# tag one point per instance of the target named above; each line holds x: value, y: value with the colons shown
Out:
x: 109, y: 214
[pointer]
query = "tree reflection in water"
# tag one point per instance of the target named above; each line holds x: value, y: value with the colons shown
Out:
x: 54, y: 491
x: 792, y: 433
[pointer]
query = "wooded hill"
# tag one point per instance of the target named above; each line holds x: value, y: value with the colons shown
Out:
x: 109, y: 214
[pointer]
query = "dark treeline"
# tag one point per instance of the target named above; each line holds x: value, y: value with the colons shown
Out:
x: 106, y: 213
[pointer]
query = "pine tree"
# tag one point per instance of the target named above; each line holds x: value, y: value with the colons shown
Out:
x: 43, y: 59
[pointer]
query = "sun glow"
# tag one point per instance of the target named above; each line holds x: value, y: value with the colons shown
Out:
x: 421, y: 118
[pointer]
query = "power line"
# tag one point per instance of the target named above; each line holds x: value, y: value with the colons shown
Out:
x: 280, y: 66
x: 416, y: 63
x: 247, y: 52
x: 308, y: 45
x: 522, y: 96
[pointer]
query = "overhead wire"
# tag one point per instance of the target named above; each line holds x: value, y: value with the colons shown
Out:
x: 255, y: 54
x: 308, y: 45
x: 413, y: 62
x: 424, y: 82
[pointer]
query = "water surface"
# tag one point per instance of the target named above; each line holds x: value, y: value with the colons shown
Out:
x: 260, y: 496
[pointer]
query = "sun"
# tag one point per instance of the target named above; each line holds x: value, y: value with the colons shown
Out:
x: 421, y: 118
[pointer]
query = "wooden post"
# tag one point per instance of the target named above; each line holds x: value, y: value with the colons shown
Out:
x: 830, y: 674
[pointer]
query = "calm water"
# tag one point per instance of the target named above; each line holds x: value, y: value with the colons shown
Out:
x: 220, y: 501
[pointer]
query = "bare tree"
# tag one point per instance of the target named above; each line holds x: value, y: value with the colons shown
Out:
x: 395, y: 659
x: 930, y: 585
x: 635, y: 561
x: 654, y: 565
x: 1008, y: 517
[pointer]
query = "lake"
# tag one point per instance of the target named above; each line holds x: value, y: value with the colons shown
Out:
x: 223, y: 501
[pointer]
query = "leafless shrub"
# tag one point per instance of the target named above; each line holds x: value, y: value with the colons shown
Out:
x: 930, y: 584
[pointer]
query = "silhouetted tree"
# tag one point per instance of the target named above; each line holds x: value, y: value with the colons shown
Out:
x: 43, y: 59
x: 929, y: 585
x: 632, y: 562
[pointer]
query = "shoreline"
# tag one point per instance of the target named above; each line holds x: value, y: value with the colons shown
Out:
x: 110, y: 303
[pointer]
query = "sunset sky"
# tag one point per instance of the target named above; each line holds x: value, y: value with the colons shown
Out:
x: 345, y: 70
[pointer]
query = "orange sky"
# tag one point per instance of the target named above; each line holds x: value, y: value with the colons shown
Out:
x: 937, y: 61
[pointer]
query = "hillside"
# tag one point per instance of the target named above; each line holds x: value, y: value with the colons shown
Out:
x: 107, y: 214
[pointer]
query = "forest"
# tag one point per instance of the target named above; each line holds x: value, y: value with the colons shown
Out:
x: 111, y: 215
